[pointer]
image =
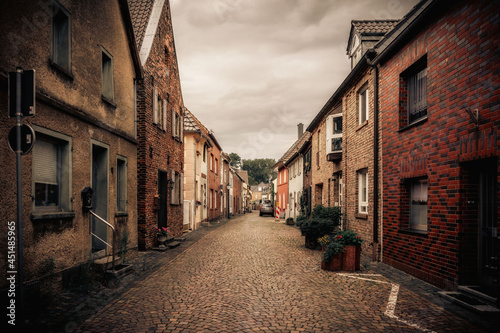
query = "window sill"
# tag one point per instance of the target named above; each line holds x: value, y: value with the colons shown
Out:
x: 52, y: 216
x: 363, y: 216
x: 67, y: 74
x: 415, y: 123
x: 413, y: 232
x: 360, y: 126
x: 120, y: 214
x: 109, y: 102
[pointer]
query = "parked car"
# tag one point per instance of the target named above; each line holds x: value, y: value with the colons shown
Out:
x: 266, y: 207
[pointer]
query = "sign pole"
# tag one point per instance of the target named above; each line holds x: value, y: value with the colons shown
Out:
x: 19, y: 190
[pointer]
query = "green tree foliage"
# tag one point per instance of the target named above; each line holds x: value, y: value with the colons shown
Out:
x: 259, y: 170
x: 235, y: 160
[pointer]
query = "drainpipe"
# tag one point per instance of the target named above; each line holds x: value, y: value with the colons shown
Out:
x: 375, y: 160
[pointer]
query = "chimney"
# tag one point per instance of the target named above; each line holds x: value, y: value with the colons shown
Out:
x: 301, y: 130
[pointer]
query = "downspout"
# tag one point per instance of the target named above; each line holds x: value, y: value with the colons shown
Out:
x: 375, y: 242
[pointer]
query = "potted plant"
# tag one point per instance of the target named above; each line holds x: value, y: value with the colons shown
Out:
x: 352, y: 249
x: 323, y: 222
x: 162, y: 235
x: 341, y: 251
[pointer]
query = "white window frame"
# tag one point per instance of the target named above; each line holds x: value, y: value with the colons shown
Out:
x: 418, y: 199
x: 363, y: 191
x: 333, y: 133
x: 417, y: 95
x: 64, y: 174
x: 363, y: 104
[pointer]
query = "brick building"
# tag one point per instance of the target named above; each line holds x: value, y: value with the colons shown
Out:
x: 86, y: 62
x: 214, y: 176
x: 439, y: 102
x: 160, y: 113
x: 225, y: 165
x: 306, y: 152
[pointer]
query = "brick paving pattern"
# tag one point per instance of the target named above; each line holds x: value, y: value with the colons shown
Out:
x: 254, y: 274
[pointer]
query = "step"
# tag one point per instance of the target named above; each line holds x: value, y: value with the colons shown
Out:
x: 120, y: 271
x: 180, y: 239
x: 173, y: 244
x: 476, y: 292
x: 468, y: 302
x: 107, y: 262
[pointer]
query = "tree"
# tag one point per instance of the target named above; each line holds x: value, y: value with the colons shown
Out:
x: 259, y: 170
x: 235, y: 160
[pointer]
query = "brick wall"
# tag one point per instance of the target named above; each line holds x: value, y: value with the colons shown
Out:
x: 158, y: 150
x: 461, y: 46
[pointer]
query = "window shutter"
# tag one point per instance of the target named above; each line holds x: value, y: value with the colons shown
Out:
x: 172, y: 192
x: 181, y: 134
x: 155, y: 106
x: 164, y: 114
x: 181, y: 194
x: 329, y: 133
x: 173, y: 122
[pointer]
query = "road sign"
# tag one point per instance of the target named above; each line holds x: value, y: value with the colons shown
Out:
x: 27, y: 139
x: 27, y: 93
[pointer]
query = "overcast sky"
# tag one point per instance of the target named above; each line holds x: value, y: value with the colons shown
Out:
x: 251, y: 70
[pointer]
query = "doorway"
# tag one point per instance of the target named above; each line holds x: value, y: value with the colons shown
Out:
x: 100, y: 185
x: 163, y: 203
x: 487, y: 235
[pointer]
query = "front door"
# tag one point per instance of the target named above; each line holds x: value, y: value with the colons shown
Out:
x: 487, y: 242
x: 163, y: 204
x: 100, y: 162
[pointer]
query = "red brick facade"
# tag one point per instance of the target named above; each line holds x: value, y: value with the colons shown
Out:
x: 459, y: 46
x: 214, y: 176
x: 160, y: 148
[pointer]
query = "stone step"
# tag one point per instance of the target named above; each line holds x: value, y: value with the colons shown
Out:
x: 173, y: 244
x: 469, y: 302
x: 106, y: 263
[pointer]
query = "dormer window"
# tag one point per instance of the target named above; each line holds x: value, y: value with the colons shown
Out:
x: 355, y: 52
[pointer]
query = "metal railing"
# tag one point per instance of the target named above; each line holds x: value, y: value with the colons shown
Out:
x: 102, y: 240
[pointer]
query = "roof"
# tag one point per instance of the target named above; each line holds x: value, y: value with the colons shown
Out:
x: 190, y: 125
x: 294, y: 149
x: 140, y: 10
x: 411, y: 21
x: 370, y: 28
x: 374, y: 27
x: 243, y: 175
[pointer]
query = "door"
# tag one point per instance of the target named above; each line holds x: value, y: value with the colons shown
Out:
x: 100, y: 167
x: 163, y: 203
x: 487, y: 242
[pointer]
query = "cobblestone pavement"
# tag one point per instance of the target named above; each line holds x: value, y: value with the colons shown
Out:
x: 253, y: 274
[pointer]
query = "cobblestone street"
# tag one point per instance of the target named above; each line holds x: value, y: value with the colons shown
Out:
x: 253, y: 274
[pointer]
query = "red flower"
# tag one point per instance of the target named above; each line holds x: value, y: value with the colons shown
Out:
x: 339, y: 237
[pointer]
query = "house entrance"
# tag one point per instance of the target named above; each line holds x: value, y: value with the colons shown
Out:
x: 163, y: 204
x: 100, y: 167
x: 487, y: 241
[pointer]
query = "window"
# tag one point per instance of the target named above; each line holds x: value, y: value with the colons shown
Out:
x: 363, y: 191
x: 159, y: 110
x: 216, y: 165
x: 363, y: 104
x: 51, y: 172
x: 417, y: 96
x: 107, y: 76
x: 307, y: 161
x: 121, y: 184
x: 177, y: 125
x: 177, y: 188
x: 61, y: 37
x: 413, y: 93
x: 334, y: 133
x: 418, y: 205
x: 319, y: 149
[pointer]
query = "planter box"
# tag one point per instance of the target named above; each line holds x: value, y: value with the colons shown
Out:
x: 349, y: 260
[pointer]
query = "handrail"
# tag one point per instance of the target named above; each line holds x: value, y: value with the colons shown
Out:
x: 114, y: 236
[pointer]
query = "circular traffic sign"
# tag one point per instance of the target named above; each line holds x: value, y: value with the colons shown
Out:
x: 27, y: 138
